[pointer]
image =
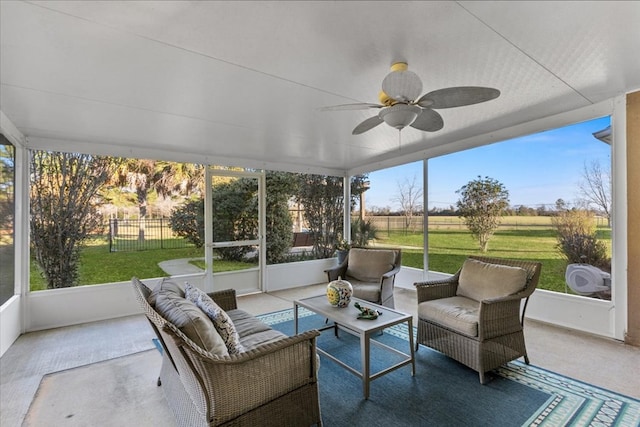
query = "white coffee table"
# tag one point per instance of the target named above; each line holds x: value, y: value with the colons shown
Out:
x: 346, y: 319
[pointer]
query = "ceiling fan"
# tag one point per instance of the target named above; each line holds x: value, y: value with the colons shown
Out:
x: 400, y: 106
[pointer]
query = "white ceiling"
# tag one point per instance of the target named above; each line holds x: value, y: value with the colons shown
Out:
x: 241, y: 83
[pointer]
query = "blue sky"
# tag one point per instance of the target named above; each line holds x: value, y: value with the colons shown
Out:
x: 536, y: 169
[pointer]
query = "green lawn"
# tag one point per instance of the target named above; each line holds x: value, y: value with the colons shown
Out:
x: 98, y: 265
x: 222, y: 265
x: 447, y: 251
x: 449, y: 248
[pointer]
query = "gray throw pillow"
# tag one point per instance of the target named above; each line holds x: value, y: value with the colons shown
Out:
x: 165, y: 285
x: 187, y: 317
x: 221, y: 320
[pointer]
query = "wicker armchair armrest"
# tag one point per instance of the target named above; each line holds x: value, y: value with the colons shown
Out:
x: 436, y: 289
x: 391, y: 273
x: 499, y: 316
x: 226, y: 299
x: 237, y: 384
x: 335, y: 272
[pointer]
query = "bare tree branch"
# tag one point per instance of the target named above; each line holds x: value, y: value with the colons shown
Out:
x: 410, y: 199
x: 595, y: 188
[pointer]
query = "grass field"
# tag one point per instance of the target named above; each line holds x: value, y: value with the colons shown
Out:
x: 98, y: 265
x: 389, y: 224
x: 448, y: 247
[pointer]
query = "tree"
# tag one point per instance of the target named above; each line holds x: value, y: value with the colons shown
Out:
x: 410, y: 199
x: 482, y: 203
x: 281, y: 186
x: 7, y: 171
x: 561, y: 205
x: 234, y: 216
x: 595, y: 188
x: 187, y: 220
x: 166, y: 178
x: 64, y: 190
x: 323, y: 199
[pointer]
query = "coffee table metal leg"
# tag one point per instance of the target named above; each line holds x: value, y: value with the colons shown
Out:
x: 364, y: 352
x: 411, y: 348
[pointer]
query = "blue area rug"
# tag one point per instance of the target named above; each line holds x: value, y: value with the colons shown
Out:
x: 446, y: 393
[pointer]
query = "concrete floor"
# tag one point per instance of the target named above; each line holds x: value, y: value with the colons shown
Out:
x: 599, y: 361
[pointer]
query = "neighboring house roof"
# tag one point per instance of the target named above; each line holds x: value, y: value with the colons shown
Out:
x: 604, y: 135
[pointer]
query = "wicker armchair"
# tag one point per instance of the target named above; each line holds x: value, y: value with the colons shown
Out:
x: 483, y: 334
x: 371, y: 272
x: 273, y: 384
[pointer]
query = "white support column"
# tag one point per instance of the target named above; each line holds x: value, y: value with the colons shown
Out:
x: 14, y: 316
x: 22, y: 230
x: 208, y: 229
x: 346, y: 227
x: 262, y: 229
x: 619, y: 236
x: 425, y: 218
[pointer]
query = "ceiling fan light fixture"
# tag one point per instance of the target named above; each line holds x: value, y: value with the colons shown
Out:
x: 399, y: 115
x: 401, y: 107
x: 399, y: 66
x: 385, y: 99
x: 403, y: 86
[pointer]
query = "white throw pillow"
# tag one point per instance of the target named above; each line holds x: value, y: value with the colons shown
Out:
x: 221, y: 320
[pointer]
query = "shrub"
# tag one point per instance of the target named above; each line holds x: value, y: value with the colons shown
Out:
x: 362, y: 232
x: 235, y: 218
x: 577, y: 239
x: 188, y: 221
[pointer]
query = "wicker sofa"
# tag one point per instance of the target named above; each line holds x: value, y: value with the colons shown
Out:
x: 475, y: 317
x: 272, y: 381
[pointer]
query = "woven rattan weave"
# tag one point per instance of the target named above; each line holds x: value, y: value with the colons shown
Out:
x: 500, y: 337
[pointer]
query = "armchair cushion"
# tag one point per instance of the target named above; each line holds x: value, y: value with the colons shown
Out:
x: 456, y: 313
x: 480, y: 280
x: 369, y: 291
x: 192, y: 321
x: 221, y: 320
x: 368, y: 265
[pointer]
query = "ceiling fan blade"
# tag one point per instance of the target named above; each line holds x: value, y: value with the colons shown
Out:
x: 428, y: 120
x: 457, y: 96
x: 370, y: 123
x: 358, y: 106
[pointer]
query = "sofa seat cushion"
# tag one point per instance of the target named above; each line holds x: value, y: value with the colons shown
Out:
x: 252, y: 331
x: 480, y: 280
x: 368, y: 265
x: 252, y: 341
x: 192, y: 321
x: 457, y: 313
x: 365, y: 290
x: 246, y: 324
x: 221, y: 320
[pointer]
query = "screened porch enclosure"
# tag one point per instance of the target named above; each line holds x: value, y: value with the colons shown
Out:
x: 236, y: 84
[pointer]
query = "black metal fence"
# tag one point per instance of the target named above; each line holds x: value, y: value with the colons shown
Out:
x: 128, y: 235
